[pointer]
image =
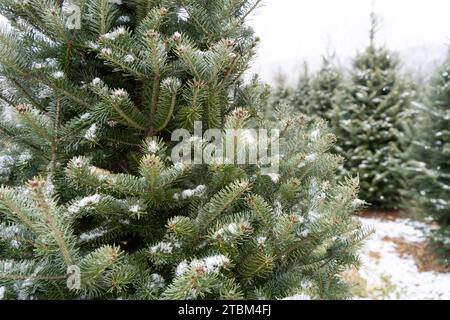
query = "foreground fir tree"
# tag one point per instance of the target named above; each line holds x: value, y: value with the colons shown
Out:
x: 108, y: 201
x: 369, y: 120
x: 428, y: 172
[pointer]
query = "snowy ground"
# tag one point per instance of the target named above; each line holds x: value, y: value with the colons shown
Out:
x: 387, y: 274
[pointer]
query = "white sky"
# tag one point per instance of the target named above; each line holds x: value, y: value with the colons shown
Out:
x: 293, y: 30
x: 296, y: 30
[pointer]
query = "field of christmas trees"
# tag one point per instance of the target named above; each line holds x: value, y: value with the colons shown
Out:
x: 102, y: 105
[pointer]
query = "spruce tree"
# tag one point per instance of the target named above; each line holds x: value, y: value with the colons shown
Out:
x: 301, y: 95
x: 110, y: 205
x: 280, y: 93
x: 428, y: 171
x: 325, y: 88
x: 369, y: 121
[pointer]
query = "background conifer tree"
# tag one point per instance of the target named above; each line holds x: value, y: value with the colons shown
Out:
x: 300, y: 97
x: 281, y: 93
x: 428, y: 170
x: 326, y: 84
x: 107, y: 198
x: 369, y: 121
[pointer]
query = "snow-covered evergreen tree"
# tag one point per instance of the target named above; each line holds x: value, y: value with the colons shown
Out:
x: 325, y: 88
x: 281, y: 93
x: 108, y: 200
x: 428, y: 171
x: 301, y: 93
x: 369, y: 120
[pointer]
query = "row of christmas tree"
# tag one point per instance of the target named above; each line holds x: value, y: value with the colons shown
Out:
x: 393, y: 133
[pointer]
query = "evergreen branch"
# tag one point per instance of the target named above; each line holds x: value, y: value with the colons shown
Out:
x: 194, y: 18
x: 219, y: 203
x: 169, y: 114
x: 5, y: 200
x: 126, y: 117
x: 102, y: 4
x: 56, y: 136
x: 27, y: 94
x: 124, y: 66
x: 37, y: 127
x: 254, y: 7
x: 6, y: 99
x: 64, y: 92
x: 49, y: 219
x: 31, y: 278
x: 14, y: 136
x: 154, y: 101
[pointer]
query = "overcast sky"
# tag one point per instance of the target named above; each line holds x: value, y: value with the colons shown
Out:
x: 292, y: 30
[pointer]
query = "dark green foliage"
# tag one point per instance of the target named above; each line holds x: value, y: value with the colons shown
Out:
x: 325, y: 88
x: 301, y: 94
x: 369, y: 120
x: 315, y: 94
x: 428, y: 171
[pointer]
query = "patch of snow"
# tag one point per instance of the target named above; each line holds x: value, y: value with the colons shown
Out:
x: 92, y: 234
x: 402, y: 273
x: 6, y: 164
x: 275, y: 177
x: 189, y: 193
x: 261, y: 240
x: 153, y: 147
x: 211, y: 264
x: 80, y: 204
x: 135, y: 208
x: 97, y: 81
x: 120, y: 31
x: 156, y: 282
x: 119, y: 93
x: 313, y: 215
x: 129, y: 58
x: 315, y: 135
x: 410, y: 230
x: 176, y: 36
x: 58, y: 75
x: 182, y: 268
x: 9, y: 115
x: 311, y: 157
x: 91, y: 133
x: 106, y: 51
x: 358, y: 203
x: 45, y: 92
x: 165, y: 247
x: 124, y: 19
x: 183, y: 15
